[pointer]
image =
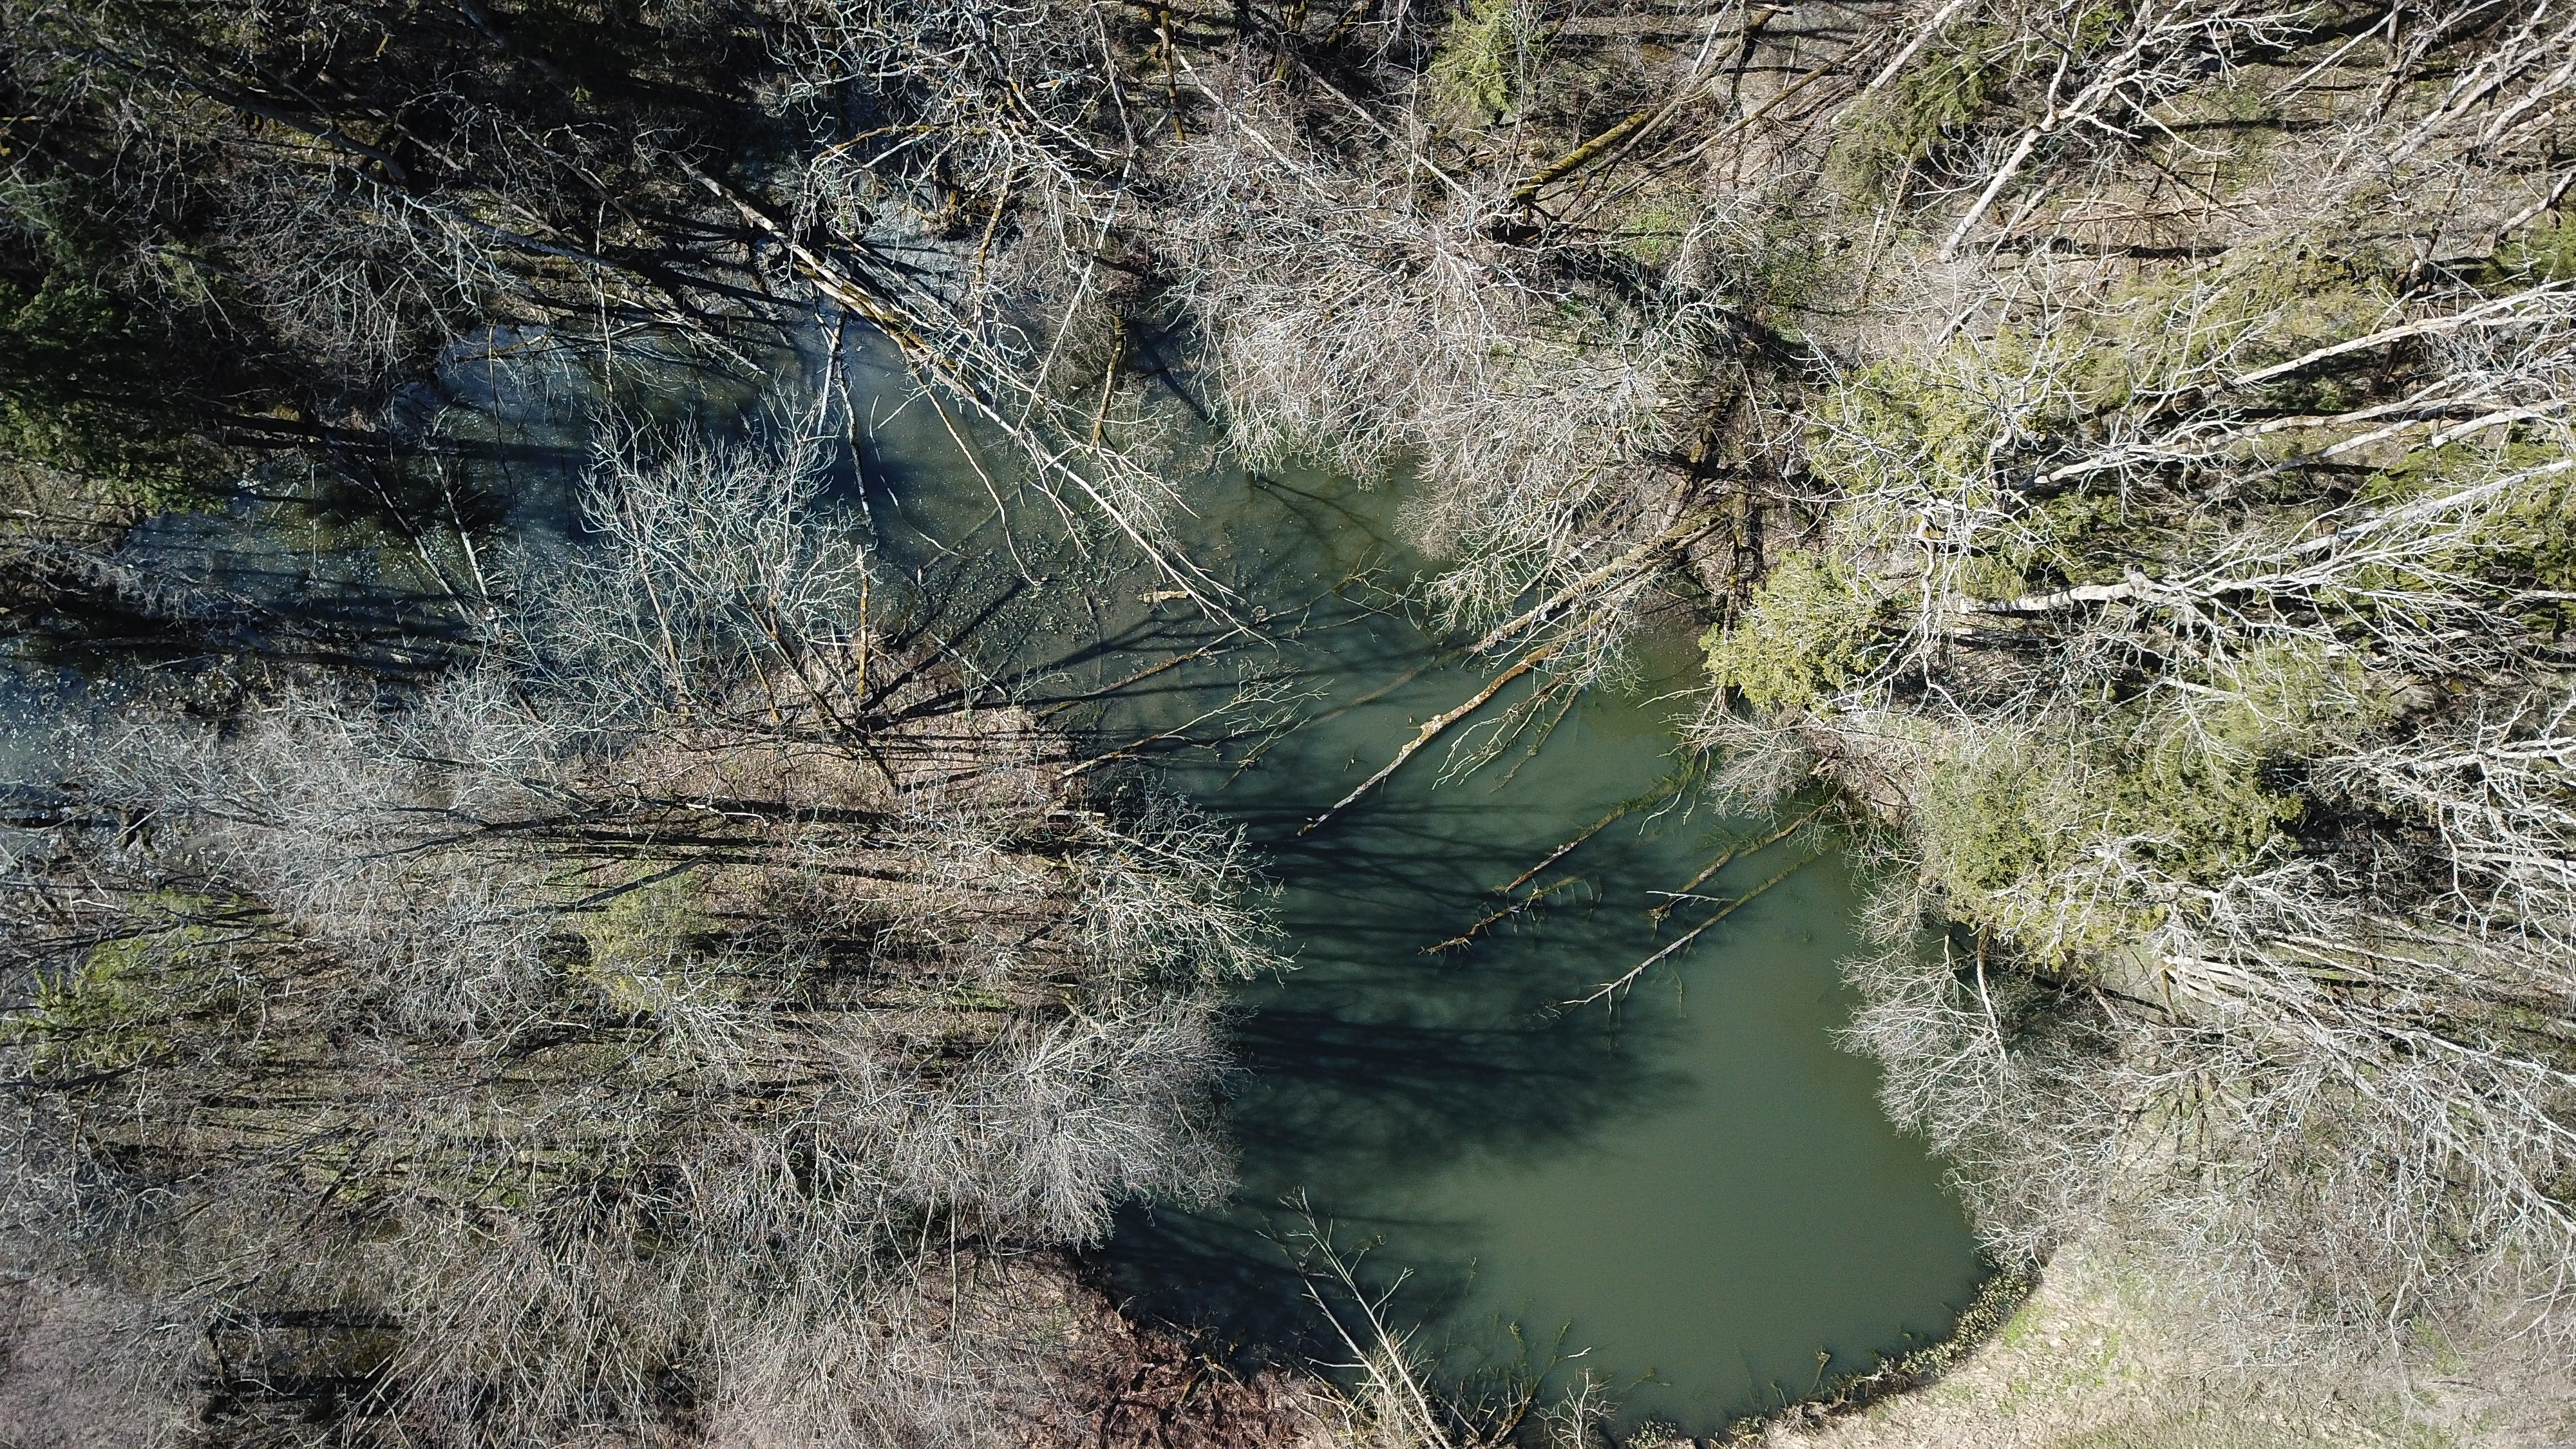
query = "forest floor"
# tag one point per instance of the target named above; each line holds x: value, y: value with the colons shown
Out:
x: 2096, y: 1359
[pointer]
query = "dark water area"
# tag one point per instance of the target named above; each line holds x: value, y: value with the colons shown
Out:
x: 1692, y: 1196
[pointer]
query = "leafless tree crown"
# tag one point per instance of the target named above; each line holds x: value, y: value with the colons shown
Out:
x: 587, y: 1040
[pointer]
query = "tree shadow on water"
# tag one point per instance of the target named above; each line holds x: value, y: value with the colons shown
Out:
x: 1354, y: 1103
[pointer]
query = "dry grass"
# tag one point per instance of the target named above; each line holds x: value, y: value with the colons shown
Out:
x: 2105, y: 1355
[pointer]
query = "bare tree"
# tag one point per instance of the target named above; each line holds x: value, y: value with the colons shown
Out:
x: 2202, y: 632
x: 547, y: 1045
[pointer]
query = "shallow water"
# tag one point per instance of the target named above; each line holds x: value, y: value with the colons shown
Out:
x: 1692, y: 1196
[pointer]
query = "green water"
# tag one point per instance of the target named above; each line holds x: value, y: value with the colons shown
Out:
x: 1691, y: 1196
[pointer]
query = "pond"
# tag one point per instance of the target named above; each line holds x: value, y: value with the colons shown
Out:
x: 1689, y: 1193
x: 1693, y: 1195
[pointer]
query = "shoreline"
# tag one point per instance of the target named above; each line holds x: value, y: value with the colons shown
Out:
x: 2102, y: 1354
x: 2004, y: 1293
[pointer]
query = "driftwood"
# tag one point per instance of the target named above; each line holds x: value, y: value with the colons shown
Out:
x: 1612, y: 990
x: 1725, y: 858
x: 1519, y: 904
x: 1677, y: 535
x: 1569, y: 847
x: 1432, y: 729
x: 1494, y: 918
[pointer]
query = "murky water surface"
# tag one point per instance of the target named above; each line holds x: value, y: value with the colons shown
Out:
x: 1693, y: 1196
